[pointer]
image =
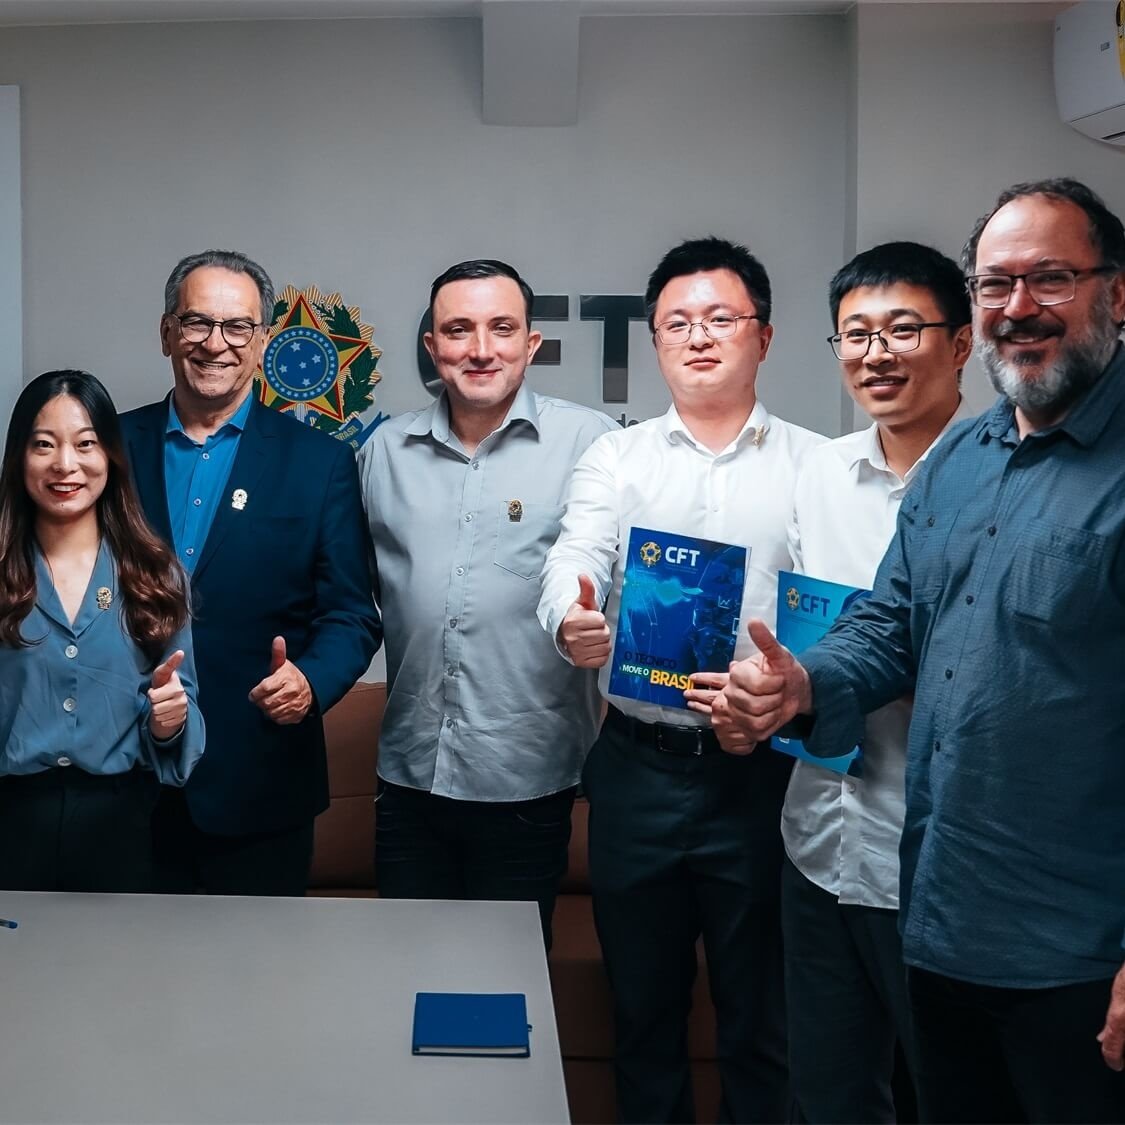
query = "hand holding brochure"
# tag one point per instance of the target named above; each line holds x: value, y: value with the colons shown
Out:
x: 806, y: 610
x: 681, y: 599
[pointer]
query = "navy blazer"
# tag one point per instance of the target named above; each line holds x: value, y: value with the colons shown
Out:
x: 294, y: 561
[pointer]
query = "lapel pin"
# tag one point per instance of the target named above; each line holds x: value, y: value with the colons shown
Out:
x: 104, y: 597
x: 238, y: 499
x: 515, y: 511
x: 759, y: 433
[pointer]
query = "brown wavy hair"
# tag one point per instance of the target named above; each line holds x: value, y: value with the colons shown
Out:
x: 154, y: 588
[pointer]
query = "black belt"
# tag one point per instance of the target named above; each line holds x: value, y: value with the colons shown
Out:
x: 683, y: 742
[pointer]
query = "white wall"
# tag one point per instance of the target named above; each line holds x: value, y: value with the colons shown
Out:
x: 11, y: 290
x: 351, y: 155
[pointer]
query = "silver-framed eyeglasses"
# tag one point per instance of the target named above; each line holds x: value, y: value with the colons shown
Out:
x: 1045, y: 287
x: 718, y: 326
x: 237, y: 332
x: 905, y: 337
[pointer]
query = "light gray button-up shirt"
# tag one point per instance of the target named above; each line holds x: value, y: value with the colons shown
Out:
x: 480, y: 705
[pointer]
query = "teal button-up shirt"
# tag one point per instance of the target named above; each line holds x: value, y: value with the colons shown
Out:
x: 77, y: 696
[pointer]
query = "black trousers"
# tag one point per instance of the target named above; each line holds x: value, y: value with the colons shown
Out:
x: 66, y: 830
x: 845, y: 989
x: 438, y: 847
x: 1011, y: 1054
x: 261, y: 863
x: 682, y: 847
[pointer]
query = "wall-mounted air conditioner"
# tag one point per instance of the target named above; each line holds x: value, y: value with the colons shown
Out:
x: 1090, y: 68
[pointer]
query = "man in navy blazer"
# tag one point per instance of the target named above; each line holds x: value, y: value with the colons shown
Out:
x: 265, y: 515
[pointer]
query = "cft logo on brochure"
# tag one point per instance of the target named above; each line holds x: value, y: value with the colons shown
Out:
x: 806, y: 610
x: 681, y: 598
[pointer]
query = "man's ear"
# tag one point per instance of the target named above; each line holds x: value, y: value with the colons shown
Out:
x: 534, y: 339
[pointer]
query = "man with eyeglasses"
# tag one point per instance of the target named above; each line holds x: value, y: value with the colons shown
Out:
x: 903, y: 336
x: 264, y: 514
x: 1001, y: 605
x: 684, y: 839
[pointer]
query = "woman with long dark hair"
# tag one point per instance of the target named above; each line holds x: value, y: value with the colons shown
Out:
x: 97, y: 684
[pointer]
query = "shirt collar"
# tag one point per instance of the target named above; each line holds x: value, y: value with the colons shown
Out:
x: 434, y: 420
x: 757, y: 425
x: 871, y: 448
x: 1086, y: 420
x: 236, y: 421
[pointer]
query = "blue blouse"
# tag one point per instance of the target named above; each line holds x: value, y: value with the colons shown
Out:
x: 78, y: 695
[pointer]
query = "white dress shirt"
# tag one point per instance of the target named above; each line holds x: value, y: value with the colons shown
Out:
x: 656, y: 475
x: 842, y: 832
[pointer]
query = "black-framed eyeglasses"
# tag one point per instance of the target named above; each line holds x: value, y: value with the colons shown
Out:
x: 237, y: 332
x: 905, y: 337
x: 718, y: 326
x: 1045, y: 287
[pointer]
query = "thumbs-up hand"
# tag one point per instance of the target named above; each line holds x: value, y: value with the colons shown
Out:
x: 284, y: 696
x: 765, y: 691
x: 167, y: 699
x: 583, y: 634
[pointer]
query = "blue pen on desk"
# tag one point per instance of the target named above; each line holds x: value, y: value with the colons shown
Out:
x: 6, y: 925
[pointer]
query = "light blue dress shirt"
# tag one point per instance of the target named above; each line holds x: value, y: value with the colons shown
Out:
x: 77, y: 696
x: 195, y: 475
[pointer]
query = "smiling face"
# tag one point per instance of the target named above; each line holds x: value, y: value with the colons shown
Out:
x: 211, y: 376
x: 65, y: 466
x: 702, y: 373
x: 1042, y: 357
x: 903, y: 388
x: 481, y: 345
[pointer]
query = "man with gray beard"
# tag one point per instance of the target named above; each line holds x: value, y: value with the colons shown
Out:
x: 1001, y: 605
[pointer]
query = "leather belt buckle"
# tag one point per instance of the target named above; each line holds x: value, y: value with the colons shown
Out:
x: 675, y: 744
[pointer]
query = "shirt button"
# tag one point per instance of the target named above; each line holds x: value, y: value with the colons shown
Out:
x: 71, y: 651
x: 63, y: 761
x: 448, y: 724
x: 937, y: 745
x: 453, y: 623
x: 190, y: 551
x: 206, y: 456
x: 949, y: 673
x: 450, y: 670
x: 969, y: 599
x: 851, y: 786
x: 992, y: 531
x: 476, y: 464
x: 930, y: 522
x: 197, y: 501
x: 460, y: 570
x: 469, y: 517
x: 68, y: 705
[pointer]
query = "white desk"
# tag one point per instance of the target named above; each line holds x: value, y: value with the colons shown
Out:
x: 138, y: 1008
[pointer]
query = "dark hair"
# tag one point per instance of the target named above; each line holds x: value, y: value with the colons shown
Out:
x: 153, y: 586
x: 231, y: 260
x: 905, y: 263
x: 701, y: 255
x: 1106, y: 233
x: 477, y: 268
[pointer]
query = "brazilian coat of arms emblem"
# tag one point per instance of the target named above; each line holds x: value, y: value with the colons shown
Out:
x: 320, y: 365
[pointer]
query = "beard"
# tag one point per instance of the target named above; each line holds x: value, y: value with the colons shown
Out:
x: 1078, y: 366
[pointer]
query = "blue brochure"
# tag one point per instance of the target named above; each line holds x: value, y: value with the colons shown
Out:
x: 471, y: 1023
x: 681, y: 598
x: 806, y: 609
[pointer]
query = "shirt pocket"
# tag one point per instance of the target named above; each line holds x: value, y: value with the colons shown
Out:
x: 929, y: 558
x: 522, y: 543
x: 1053, y: 573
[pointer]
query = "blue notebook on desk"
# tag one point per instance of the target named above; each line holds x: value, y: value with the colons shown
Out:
x: 471, y: 1023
